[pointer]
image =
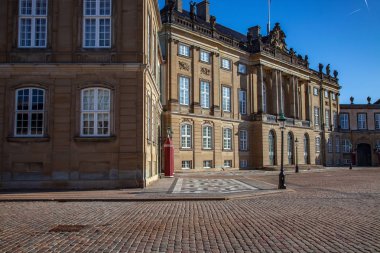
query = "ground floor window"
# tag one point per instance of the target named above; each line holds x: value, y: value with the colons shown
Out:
x: 243, y: 163
x: 227, y: 163
x: 186, y: 165
x: 207, y: 164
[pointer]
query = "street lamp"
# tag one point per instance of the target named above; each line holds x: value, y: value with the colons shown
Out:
x: 296, y: 141
x: 281, y: 179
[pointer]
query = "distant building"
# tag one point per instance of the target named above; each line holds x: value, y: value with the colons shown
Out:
x: 360, y: 133
x: 224, y: 92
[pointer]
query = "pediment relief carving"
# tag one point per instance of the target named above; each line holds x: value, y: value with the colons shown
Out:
x: 205, y: 71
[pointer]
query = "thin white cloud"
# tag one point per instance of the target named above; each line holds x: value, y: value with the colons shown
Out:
x: 366, y: 3
x: 355, y: 11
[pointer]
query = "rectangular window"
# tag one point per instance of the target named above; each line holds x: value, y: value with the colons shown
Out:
x: 327, y: 118
x: 97, y: 24
x: 243, y: 102
x: 205, y: 94
x: 227, y: 139
x: 227, y: 163
x: 362, y: 121
x: 32, y: 23
x: 186, y: 165
x: 346, y: 144
x: 226, y: 94
x: 330, y: 145
x: 326, y: 94
x: 242, y: 68
x: 315, y: 91
x: 316, y: 116
x: 337, y: 144
x: 333, y: 96
x: 344, y: 121
x: 207, y: 137
x: 207, y: 164
x: 30, y: 104
x: 317, y: 144
x: 186, y: 136
x: 335, y: 120
x: 205, y: 56
x: 243, y: 140
x: 184, y: 50
x: 226, y: 64
x: 243, y: 163
x: 184, y: 89
x: 95, y: 112
x: 377, y: 121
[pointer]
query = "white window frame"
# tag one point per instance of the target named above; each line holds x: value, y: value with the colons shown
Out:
x: 344, y: 119
x: 243, y: 137
x: 362, y: 121
x: 335, y: 120
x: 96, y: 112
x: 97, y: 17
x: 346, y: 146
x: 186, y: 165
x: 227, y: 163
x: 33, y: 17
x: 183, y: 50
x: 205, y: 94
x: 326, y: 94
x: 333, y: 96
x: 207, y: 137
x: 226, y: 64
x: 207, y: 164
x: 227, y: 139
x: 243, y: 102
x: 204, y: 56
x: 184, y: 90
x: 226, y: 94
x: 30, y: 111
x: 186, y: 136
x: 242, y: 68
x: 315, y: 91
x: 377, y: 121
x: 316, y: 116
x: 327, y: 118
x: 317, y: 144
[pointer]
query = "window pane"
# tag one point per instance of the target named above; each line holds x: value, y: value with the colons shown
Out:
x: 22, y: 123
x: 103, y: 100
x: 88, y: 123
x: 89, y: 100
x: 105, y: 32
x: 90, y: 7
x: 26, y: 7
x: 37, y: 123
x: 40, y: 32
x: 205, y: 94
x: 184, y: 91
x: 105, y: 8
x: 103, y: 124
x: 25, y: 32
x: 90, y: 32
x: 41, y: 7
x: 23, y: 100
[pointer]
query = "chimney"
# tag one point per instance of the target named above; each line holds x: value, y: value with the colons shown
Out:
x: 255, y: 32
x: 203, y: 10
x: 178, y: 4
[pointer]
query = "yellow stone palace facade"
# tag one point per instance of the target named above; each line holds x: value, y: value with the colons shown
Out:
x: 224, y: 92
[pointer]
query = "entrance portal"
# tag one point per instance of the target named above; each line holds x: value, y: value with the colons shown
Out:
x: 364, y: 155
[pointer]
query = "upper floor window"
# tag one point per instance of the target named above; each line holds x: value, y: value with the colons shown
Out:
x: 186, y: 136
x: 205, y: 56
x: 316, y: 116
x: 315, y: 91
x: 29, y: 114
x: 242, y: 68
x: 344, y: 121
x: 205, y: 94
x: 243, y: 140
x: 243, y: 102
x: 326, y: 94
x: 32, y: 23
x: 377, y: 121
x: 184, y: 90
x: 362, y: 121
x: 226, y: 94
x: 327, y: 120
x: 337, y: 144
x: 95, y: 112
x: 207, y: 137
x: 226, y: 64
x: 227, y: 139
x: 335, y: 120
x: 97, y: 24
x: 333, y: 96
x: 184, y: 50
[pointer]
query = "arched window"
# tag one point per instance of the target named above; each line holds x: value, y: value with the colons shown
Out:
x: 30, y: 111
x: 227, y: 138
x: 272, y: 148
x: 290, y: 148
x: 207, y: 137
x: 95, y: 112
x: 347, y: 146
x: 306, y: 149
x: 186, y: 136
x: 317, y: 144
x: 264, y: 97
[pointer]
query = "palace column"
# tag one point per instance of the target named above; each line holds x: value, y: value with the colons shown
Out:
x: 260, y: 83
x: 173, y: 79
x: 275, y: 92
x: 195, y: 81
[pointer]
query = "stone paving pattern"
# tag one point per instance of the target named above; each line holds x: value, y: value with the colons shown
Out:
x: 213, y: 186
x: 332, y: 211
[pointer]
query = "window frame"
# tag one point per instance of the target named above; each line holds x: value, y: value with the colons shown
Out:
x: 337, y: 144
x: 327, y: 118
x: 316, y: 116
x: 348, y: 120
x: 346, y: 146
x: 96, y: 112
x: 188, y: 135
x: 245, y: 68
x: 204, y: 52
x: 204, y: 95
x: 187, y: 95
x: 330, y: 145
x: 186, y: 53
x: 208, y: 138
x: 205, y: 166
x: 33, y: 17
x: 227, y: 107
x: 243, y: 142
x: 222, y: 65
x: 30, y: 111
x: 227, y: 139
x: 97, y: 17
x: 184, y: 162
x: 377, y: 121
x: 315, y: 91
x: 365, y: 121
x: 317, y: 144
x: 228, y: 162
x: 243, y: 103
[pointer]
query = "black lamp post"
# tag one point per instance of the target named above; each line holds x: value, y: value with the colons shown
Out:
x: 281, y: 179
x: 296, y: 141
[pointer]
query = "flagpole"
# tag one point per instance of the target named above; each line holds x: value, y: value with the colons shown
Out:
x: 268, y: 26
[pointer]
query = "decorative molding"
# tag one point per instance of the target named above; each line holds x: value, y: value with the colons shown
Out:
x: 205, y: 71
x: 184, y: 66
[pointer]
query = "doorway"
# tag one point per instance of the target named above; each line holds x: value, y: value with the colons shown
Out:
x: 364, y: 154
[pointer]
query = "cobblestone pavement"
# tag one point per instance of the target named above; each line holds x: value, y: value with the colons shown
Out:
x: 211, y: 186
x: 332, y: 211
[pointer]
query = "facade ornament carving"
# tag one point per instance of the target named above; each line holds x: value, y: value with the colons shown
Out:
x: 205, y: 71
x: 208, y: 122
x: 193, y: 14
x: 184, y: 66
x: 277, y: 37
x: 187, y: 120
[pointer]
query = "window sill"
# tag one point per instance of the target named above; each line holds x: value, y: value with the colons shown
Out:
x: 95, y: 139
x: 28, y: 139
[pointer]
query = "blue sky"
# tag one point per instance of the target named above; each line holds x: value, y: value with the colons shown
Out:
x: 344, y: 33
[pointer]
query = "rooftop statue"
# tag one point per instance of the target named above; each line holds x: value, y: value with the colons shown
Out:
x: 328, y: 70
x: 277, y: 37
